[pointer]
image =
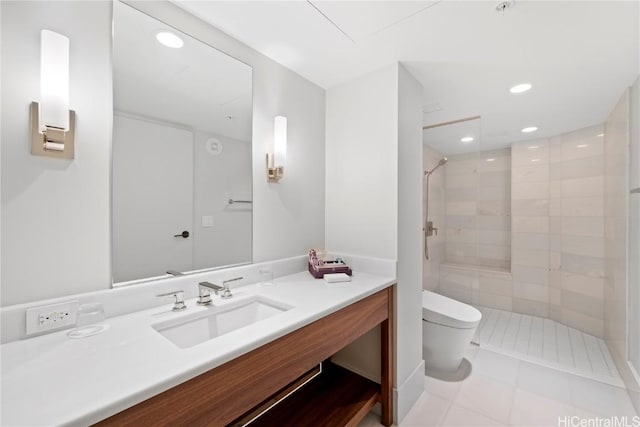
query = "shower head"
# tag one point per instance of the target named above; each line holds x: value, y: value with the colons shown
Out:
x: 441, y: 162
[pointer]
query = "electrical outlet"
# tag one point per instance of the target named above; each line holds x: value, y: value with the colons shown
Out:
x: 49, y: 317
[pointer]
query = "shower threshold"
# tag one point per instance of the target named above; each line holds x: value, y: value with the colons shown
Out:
x: 548, y: 343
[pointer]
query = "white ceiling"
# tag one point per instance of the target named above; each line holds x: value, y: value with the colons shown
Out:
x: 195, y: 86
x: 579, y: 55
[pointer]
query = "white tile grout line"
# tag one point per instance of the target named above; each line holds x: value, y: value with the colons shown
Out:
x: 614, y: 379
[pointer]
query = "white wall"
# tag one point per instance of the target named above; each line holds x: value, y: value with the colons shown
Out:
x: 55, y: 213
x: 40, y: 260
x: 362, y: 166
x: 409, y: 363
x: 373, y: 204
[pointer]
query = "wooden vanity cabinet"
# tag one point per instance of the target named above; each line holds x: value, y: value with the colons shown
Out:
x: 339, y: 398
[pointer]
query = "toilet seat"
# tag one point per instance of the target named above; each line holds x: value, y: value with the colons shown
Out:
x: 445, y: 311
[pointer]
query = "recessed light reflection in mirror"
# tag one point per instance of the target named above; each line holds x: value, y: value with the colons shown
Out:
x: 169, y: 39
x: 523, y: 87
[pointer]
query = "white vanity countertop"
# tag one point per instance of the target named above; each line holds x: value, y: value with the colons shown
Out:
x: 55, y: 380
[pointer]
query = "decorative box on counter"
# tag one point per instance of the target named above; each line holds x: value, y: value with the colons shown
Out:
x: 319, y: 267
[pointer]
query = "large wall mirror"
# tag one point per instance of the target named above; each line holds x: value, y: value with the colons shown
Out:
x: 181, y: 152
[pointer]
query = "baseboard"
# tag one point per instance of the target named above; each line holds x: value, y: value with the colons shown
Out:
x: 408, y: 393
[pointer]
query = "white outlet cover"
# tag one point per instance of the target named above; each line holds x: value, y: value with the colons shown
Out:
x: 207, y: 221
x: 33, y: 316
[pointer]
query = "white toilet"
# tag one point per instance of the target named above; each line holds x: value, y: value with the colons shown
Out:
x: 447, y: 328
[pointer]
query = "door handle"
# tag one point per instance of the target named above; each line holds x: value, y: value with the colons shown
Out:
x: 184, y: 234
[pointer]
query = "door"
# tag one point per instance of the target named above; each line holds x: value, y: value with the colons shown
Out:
x: 152, y: 198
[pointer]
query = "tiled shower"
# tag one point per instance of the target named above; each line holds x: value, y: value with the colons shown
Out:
x: 537, y: 229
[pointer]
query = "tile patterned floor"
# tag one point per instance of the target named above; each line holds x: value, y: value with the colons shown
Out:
x: 505, y: 391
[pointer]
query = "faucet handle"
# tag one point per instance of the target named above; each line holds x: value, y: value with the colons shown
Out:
x: 179, y: 304
x: 226, y: 292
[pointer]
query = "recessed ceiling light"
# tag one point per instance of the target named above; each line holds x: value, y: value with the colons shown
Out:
x: 582, y: 145
x: 535, y: 160
x: 529, y: 129
x: 467, y: 139
x: 169, y: 39
x: 600, y: 134
x: 491, y: 159
x: 523, y: 87
x: 533, y: 147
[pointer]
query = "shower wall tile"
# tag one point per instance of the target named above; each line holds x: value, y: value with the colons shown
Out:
x: 494, y: 207
x: 460, y: 181
x: 461, y: 208
x: 583, y: 187
x: 478, y: 192
x: 533, y: 308
x: 461, y: 221
x: 531, y: 190
x: 531, y: 292
x: 530, y: 224
x: 529, y: 207
x: 458, y: 165
x: 525, y: 274
x: 531, y: 173
x: 494, y: 237
x: 529, y: 258
x: 583, y: 226
x: 584, y: 265
x: 530, y: 241
x: 493, y: 222
x: 583, y: 245
x: 431, y: 267
x: 496, y: 285
x: 499, y: 302
x: 586, y: 285
x: 584, y: 304
x: 583, y: 206
x: 577, y: 168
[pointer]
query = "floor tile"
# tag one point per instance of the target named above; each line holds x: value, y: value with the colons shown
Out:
x: 543, y: 381
x: 486, y: 396
x: 458, y: 416
x: 600, y: 399
x: 532, y: 410
x: 428, y: 411
x: 444, y: 389
x: 497, y: 366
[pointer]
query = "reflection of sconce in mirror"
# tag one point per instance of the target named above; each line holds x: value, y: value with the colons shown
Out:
x: 52, y: 123
x: 275, y: 161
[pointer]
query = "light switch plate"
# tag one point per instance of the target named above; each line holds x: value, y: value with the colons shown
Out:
x: 207, y: 221
x: 50, y: 317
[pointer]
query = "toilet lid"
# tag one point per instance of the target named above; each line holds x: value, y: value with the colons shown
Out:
x: 439, y: 309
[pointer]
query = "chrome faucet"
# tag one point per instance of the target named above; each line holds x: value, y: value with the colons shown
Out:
x: 178, y: 304
x: 175, y: 273
x: 205, y: 289
x: 204, y: 292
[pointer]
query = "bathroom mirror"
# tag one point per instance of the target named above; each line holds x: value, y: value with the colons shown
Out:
x: 181, y: 152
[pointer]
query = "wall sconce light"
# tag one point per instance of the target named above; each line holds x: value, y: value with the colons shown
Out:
x: 275, y: 161
x: 52, y: 123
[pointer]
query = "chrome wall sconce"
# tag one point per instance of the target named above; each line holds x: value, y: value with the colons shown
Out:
x: 276, y: 160
x: 52, y: 123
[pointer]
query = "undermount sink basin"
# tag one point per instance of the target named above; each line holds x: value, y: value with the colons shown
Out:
x: 215, y: 321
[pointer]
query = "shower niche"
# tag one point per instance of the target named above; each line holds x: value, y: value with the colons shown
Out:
x: 467, y: 209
